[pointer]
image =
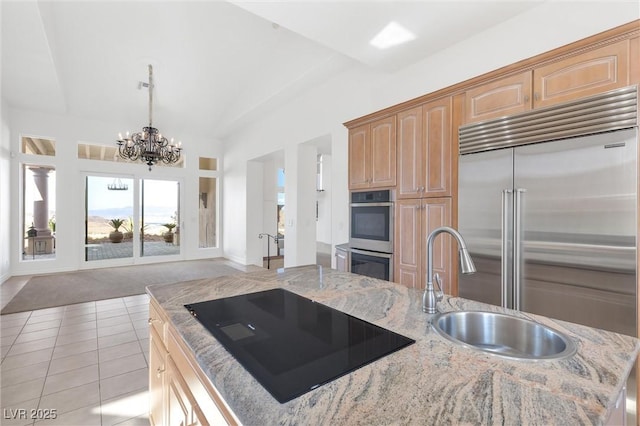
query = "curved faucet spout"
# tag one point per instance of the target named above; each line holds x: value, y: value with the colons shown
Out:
x: 429, y: 298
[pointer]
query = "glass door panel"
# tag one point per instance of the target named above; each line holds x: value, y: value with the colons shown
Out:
x: 160, y: 216
x: 108, y: 218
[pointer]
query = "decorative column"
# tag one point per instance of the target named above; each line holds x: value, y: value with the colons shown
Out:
x: 43, y: 243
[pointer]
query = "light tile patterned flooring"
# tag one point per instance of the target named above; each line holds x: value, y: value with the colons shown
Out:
x: 89, y: 362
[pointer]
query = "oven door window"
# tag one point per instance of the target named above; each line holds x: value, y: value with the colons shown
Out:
x: 370, y: 223
x: 371, y: 266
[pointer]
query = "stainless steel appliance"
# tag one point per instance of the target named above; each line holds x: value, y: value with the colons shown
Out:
x: 371, y: 234
x: 372, y: 264
x: 372, y: 221
x: 547, y: 205
x: 291, y: 344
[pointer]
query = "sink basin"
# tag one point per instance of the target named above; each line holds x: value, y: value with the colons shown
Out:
x: 503, y: 335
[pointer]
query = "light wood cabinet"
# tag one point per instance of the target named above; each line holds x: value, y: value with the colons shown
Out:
x: 179, y: 392
x: 573, y: 77
x: 585, y: 74
x: 634, y: 61
x: 415, y: 219
x: 424, y: 150
x: 372, y: 155
x: 499, y: 98
x: 157, y: 369
x: 182, y: 409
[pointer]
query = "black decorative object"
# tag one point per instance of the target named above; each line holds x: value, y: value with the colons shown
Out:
x: 149, y: 145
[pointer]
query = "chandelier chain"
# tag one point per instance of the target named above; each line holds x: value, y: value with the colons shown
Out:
x: 149, y: 145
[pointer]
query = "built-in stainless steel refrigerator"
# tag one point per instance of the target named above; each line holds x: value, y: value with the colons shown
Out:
x: 551, y: 225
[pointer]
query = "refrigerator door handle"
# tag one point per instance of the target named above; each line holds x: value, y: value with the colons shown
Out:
x: 504, y: 255
x: 517, y: 248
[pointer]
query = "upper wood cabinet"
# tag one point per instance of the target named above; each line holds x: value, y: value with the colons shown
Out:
x: 506, y: 96
x: 415, y: 219
x: 634, y: 61
x: 424, y: 150
x: 372, y: 154
x: 585, y: 74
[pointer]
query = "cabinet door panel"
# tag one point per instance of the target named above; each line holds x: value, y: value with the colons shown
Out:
x: 383, y: 152
x: 410, y: 156
x: 582, y: 75
x: 157, y: 355
x: 359, y: 157
x: 506, y: 96
x: 436, y: 213
x: 408, y: 243
x: 437, y: 141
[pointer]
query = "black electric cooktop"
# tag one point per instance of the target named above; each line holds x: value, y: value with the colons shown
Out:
x: 290, y: 344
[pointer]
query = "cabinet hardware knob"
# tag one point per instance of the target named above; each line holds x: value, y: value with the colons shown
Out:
x: 526, y: 98
x: 159, y: 371
x: 536, y: 96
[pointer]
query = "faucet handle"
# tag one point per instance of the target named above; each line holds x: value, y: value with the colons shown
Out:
x: 439, y: 292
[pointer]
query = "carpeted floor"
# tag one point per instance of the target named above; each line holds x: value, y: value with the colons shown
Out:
x: 97, y: 284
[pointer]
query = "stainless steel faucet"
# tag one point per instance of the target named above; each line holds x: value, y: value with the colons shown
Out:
x: 429, y: 297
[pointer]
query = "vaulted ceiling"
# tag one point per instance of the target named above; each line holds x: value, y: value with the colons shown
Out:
x: 217, y: 64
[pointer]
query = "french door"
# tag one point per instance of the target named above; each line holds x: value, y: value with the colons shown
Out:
x: 130, y: 218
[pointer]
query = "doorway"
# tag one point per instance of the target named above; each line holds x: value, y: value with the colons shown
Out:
x: 130, y: 218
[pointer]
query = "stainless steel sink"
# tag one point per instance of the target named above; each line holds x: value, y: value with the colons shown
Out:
x: 503, y: 335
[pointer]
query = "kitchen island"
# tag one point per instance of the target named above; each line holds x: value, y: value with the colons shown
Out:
x: 432, y: 381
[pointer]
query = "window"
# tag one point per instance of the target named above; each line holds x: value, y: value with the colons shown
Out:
x: 207, y: 212
x: 110, y: 153
x: 39, y: 212
x: 113, y: 227
x: 38, y: 146
x: 208, y: 163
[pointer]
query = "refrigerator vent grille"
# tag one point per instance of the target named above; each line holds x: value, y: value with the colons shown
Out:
x: 609, y: 111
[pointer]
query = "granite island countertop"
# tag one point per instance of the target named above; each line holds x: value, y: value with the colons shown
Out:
x: 430, y: 382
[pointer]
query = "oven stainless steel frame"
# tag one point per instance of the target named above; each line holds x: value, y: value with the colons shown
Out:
x: 373, y: 200
x: 374, y: 257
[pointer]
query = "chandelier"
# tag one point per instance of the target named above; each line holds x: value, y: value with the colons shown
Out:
x: 149, y: 145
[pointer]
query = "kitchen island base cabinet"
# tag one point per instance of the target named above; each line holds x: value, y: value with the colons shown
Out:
x: 179, y: 393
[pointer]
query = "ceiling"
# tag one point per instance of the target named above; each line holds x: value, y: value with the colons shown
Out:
x: 217, y: 65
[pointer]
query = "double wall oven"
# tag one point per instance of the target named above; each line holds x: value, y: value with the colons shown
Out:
x: 371, y: 234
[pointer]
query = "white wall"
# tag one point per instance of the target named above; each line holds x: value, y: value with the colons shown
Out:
x: 68, y: 131
x: 359, y: 92
x: 323, y: 224
x: 5, y: 189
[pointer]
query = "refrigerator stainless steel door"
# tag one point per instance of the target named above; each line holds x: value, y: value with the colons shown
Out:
x: 482, y: 180
x: 578, y: 212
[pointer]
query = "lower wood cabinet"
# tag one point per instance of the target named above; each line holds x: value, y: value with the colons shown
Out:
x: 415, y: 219
x: 180, y: 394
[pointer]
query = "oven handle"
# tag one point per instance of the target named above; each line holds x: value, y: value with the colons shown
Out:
x: 372, y: 253
x: 386, y: 204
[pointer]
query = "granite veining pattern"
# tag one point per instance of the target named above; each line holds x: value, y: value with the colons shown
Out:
x: 430, y: 382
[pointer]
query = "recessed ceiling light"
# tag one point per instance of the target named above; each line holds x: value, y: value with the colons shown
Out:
x: 392, y: 35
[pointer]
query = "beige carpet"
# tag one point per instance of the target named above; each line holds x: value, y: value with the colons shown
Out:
x: 97, y: 284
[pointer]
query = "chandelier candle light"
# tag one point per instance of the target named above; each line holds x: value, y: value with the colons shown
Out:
x: 149, y: 145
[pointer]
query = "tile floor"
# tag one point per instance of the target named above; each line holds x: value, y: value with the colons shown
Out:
x: 88, y: 362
